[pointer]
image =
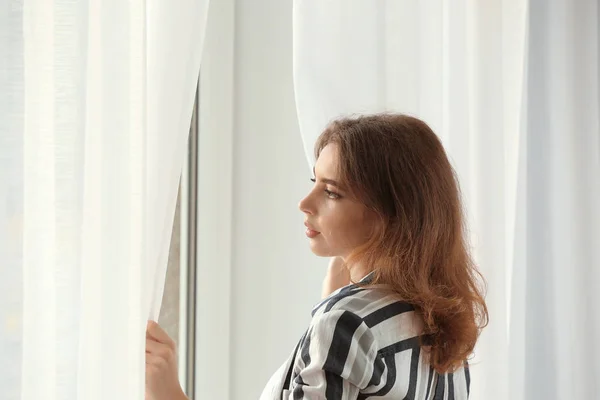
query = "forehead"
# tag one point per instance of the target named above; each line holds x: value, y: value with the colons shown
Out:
x: 327, y: 163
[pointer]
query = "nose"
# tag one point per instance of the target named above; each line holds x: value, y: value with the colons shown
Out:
x: 306, y: 206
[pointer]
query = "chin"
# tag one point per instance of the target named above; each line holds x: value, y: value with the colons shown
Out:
x: 320, y: 251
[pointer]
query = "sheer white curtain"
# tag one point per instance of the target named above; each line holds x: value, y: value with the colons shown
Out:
x: 512, y: 88
x: 95, y: 105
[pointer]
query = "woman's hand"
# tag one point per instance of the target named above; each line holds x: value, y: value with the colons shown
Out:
x: 337, y: 276
x: 162, y: 380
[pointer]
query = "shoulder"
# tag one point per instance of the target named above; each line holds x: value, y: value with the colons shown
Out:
x: 353, y: 336
x: 362, y: 301
x: 378, y: 307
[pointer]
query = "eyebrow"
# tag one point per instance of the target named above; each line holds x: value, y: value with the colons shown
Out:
x: 327, y: 180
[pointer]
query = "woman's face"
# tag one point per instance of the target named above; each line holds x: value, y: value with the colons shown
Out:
x: 336, y: 223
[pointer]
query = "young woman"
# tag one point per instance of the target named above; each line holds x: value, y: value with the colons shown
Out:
x: 403, y: 302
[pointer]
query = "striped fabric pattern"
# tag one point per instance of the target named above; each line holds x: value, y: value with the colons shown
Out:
x: 363, y: 343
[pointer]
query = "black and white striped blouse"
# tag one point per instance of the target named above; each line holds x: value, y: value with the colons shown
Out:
x: 363, y: 343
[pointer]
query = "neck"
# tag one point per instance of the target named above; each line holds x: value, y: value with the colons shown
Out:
x: 357, y: 271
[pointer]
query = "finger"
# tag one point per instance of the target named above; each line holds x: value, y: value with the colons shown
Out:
x: 154, y: 347
x: 154, y: 331
x: 155, y: 360
x: 159, y: 350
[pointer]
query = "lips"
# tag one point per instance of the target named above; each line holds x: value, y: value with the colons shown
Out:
x: 310, y: 232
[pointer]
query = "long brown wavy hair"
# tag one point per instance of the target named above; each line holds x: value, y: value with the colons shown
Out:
x: 396, y: 166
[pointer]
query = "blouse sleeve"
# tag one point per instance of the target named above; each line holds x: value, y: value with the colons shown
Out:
x: 337, y: 358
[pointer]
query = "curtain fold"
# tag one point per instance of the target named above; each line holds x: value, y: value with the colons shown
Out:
x: 95, y: 109
x: 511, y: 87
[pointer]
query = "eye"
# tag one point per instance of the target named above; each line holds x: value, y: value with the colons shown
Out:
x: 313, y: 180
x: 332, y: 195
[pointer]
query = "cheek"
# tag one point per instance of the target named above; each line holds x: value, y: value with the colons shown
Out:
x: 347, y: 229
